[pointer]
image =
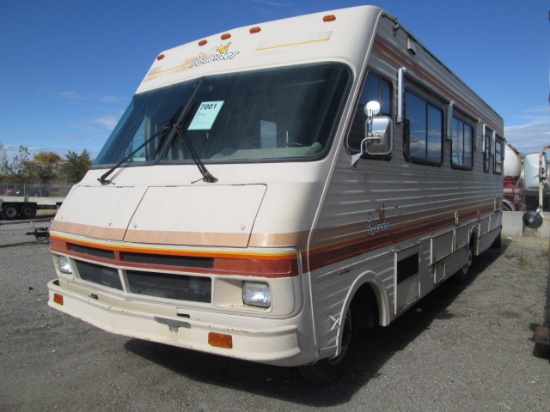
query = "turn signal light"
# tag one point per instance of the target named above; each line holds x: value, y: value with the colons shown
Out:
x: 220, y: 340
x: 57, y: 298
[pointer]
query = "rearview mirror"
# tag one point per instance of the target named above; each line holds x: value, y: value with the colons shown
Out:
x: 378, y: 134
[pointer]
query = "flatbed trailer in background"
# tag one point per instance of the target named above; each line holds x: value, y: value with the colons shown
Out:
x: 11, y: 210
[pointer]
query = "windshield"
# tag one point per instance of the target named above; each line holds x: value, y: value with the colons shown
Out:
x: 268, y: 115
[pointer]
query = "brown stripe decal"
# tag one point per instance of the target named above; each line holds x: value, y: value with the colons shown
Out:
x: 401, y: 229
x: 353, y: 239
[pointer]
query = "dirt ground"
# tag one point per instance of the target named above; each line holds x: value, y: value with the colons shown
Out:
x: 464, y: 347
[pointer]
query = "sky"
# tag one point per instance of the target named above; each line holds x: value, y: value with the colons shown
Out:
x: 69, y: 68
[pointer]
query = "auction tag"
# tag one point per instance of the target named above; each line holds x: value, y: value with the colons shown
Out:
x: 206, y: 115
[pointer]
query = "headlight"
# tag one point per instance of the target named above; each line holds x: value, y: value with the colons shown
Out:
x: 63, y: 265
x: 256, y: 294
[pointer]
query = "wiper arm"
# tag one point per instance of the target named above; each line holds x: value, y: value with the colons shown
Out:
x: 176, y: 122
x: 206, y: 176
x: 103, y: 178
x: 164, y: 132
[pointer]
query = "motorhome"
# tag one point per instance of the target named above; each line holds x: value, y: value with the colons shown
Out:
x: 273, y: 188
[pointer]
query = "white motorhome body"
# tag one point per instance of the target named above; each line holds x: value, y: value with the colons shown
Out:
x: 247, y: 205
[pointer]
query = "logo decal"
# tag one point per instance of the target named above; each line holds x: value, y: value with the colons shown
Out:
x: 382, y: 226
x: 220, y: 53
x: 374, y: 228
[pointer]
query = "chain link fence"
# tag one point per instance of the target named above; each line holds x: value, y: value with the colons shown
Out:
x: 35, y: 189
x: 532, y: 201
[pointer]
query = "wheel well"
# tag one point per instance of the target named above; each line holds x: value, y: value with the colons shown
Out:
x: 366, y: 307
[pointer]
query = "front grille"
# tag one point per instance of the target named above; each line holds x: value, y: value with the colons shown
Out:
x: 157, y: 284
x: 163, y: 285
x: 169, y: 260
x: 102, y: 275
x: 92, y: 251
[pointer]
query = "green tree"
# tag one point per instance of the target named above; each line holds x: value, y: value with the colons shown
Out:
x: 76, y: 165
x: 44, y: 166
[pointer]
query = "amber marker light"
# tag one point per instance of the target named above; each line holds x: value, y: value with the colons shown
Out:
x: 220, y: 340
x: 226, y: 36
x: 254, y: 30
x: 57, y: 298
x: 203, y: 42
x: 329, y: 17
x: 160, y: 57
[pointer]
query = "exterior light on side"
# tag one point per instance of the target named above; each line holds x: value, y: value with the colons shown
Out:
x: 57, y: 298
x: 220, y: 340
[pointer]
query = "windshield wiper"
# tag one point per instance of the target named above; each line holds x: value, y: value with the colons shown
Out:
x: 103, y: 178
x: 206, y: 176
x: 176, y: 122
x: 162, y: 132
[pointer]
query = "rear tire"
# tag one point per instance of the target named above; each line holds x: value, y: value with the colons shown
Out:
x: 497, y: 243
x: 10, y: 212
x: 327, y: 371
x: 464, y: 273
x: 28, y: 212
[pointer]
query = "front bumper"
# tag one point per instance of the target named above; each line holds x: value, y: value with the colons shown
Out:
x: 259, y: 339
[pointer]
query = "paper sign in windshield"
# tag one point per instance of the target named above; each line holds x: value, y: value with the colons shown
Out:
x: 206, y: 115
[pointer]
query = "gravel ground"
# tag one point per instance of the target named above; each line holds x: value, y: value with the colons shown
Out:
x: 465, y: 347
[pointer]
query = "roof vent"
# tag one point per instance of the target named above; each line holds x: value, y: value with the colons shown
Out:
x: 411, y: 46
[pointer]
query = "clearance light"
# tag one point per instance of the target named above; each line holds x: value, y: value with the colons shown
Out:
x: 203, y: 42
x: 329, y: 17
x: 220, y: 340
x: 256, y: 29
x: 226, y: 36
x: 160, y: 57
x: 57, y: 298
x: 256, y: 294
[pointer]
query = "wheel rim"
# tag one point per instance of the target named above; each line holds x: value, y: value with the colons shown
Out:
x: 10, y: 212
x: 466, y: 267
x: 26, y: 211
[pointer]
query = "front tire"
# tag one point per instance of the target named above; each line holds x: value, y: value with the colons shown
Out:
x: 327, y: 371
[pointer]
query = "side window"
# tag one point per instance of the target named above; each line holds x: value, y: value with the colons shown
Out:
x: 376, y: 88
x: 487, y: 150
x: 379, y: 89
x: 462, y: 139
x: 423, y: 131
x: 499, y: 155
